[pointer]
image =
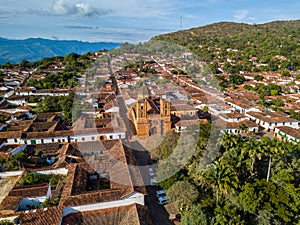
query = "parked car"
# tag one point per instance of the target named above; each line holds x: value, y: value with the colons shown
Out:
x: 151, y: 172
x: 153, y: 181
x: 161, y: 197
x: 175, y: 217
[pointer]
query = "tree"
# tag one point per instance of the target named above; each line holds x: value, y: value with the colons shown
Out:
x: 253, y: 151
x: 183, y: 193
x: 228, y: 140
x: 24, y: 64
x: 30, y: 178
x: 6, y: 222
x: 16, y: 161
x: 258, y: 77
x: 220, y: 178
x: 50, y: 202
x: 197, y: 215
x: 272, y: 148
x: 227, y: 214
x: 236, y: 79
x: 243, y: 128
x: 262, y: 195
x: 285, y: 73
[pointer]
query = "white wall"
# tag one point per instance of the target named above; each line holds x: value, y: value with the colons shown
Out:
x: 10, y: 174
x: 61, y: 171
x: 134, y: 198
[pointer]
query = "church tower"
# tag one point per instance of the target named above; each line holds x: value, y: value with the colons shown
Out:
x: 165, y: 114
x: 142, y: 121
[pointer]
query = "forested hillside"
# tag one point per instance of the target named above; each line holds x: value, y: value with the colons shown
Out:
x: 240, y: 42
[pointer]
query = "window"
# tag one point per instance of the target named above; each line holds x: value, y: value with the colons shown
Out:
x: 15, y: 140
x: 110, y: 137
x: 283, y: 123
x: 42, y: 141
x: 83, y: 139
x: 93, y: 138
x: 63, y: 140
x: 52, y: 139
x: 101, y: 138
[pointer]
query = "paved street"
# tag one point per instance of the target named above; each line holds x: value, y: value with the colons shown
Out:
x: 158, y: 213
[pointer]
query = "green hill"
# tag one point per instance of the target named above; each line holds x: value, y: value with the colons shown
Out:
x: 215, y: 42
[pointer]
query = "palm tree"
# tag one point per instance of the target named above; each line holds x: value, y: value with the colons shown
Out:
x: 228, y: 140
x: 254, y: 151
x: 221, y: 178
x: 272, y: 147
x: 243, y: 128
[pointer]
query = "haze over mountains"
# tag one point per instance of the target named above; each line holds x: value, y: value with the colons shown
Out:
x: 34, y: 49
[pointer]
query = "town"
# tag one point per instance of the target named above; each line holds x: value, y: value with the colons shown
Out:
x: 83, y: 152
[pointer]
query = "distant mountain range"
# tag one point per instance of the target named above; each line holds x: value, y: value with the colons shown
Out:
x: 33, y: 49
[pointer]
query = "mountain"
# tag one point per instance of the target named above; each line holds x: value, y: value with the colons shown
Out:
x: 33, y: 49
x: 240, y: 42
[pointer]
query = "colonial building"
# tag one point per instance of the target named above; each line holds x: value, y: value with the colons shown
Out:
x: 151, y: 116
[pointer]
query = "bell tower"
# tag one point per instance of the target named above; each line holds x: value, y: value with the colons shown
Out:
x: 165, y: 115
x: 142, y: 128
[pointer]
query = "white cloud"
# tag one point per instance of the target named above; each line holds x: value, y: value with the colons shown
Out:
x: 60, y: 7
x: 241, y: 14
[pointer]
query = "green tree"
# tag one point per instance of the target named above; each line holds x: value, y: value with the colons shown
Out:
x: 31, y: 178
x: 220, y: 178
x: 6, y: 222
x: 243, y: 128
x: 50, y: 203
x: 197, y: 215
x: 228, y: 140
x: 236, y: 79
x: 16, y: 161
x: 183, y: 193
x: 258, y: 77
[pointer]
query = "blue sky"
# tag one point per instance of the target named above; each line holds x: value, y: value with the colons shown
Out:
x: 130, y: 20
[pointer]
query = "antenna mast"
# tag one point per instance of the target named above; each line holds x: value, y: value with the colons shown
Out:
x: 180, y: 22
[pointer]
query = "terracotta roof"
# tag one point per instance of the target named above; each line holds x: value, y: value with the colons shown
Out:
x: 124, y: 215
x: 232, y: 115
x: 187, y: 122
x: 9, y: 203
x: 46, y: 216
x: 11, y: 134
x: 25, y: 89
x: 241, y: 102
x: 110, y: 160
x: 234, y: 125
x: 42, y: 117
x: 271, y: 117
x: 290, y: 131
x: 17, y: 97
x: 29, y: 191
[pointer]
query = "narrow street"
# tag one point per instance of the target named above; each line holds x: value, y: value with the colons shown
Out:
x: 158, y: 213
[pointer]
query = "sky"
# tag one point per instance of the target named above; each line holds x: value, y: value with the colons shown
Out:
x: 130, y: 21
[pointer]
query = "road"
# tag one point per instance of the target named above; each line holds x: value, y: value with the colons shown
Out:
x: 158, y: 213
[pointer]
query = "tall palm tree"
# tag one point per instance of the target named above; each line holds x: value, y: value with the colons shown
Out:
x: 243, y: 128
x: 271, y: 147
x: 227, y: 140
x: 221, y: 178
x: 253, y: 150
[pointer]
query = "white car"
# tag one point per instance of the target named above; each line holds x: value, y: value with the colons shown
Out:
x: 151, y: 172
x: 153, y: 181
x: 161, y: 197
